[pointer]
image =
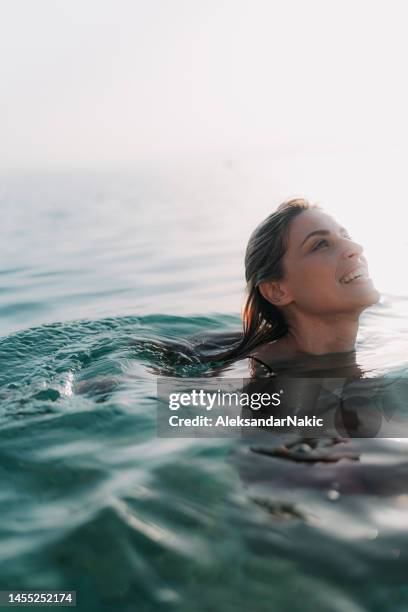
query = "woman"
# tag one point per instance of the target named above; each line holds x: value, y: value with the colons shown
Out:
x: 307, y: 284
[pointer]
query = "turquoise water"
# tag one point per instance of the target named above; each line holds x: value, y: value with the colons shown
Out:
x: 101, y: 275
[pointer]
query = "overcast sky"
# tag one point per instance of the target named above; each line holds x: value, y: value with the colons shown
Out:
x: 85, y: 81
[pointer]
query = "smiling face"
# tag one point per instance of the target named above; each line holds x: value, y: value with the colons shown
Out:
x: 324, y: 271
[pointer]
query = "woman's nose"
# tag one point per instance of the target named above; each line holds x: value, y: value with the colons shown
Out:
x: 352, y: 249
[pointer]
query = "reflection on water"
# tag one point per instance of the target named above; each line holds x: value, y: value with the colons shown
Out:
x: 93, y: 500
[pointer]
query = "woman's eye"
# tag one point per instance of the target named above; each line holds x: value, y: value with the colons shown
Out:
x: 319, y: 244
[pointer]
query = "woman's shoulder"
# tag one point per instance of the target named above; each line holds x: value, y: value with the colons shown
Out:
x: 271, y: 354
x: 257, y: 368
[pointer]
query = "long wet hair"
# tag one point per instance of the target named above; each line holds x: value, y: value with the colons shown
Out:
x: 262, y: 321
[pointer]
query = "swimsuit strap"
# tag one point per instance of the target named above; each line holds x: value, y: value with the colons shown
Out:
x: 261, y: 362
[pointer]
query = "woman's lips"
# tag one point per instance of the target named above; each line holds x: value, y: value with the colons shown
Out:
x: 365, y: 279
x: 360, y: 272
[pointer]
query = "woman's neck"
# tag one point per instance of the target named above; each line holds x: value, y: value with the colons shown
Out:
x: 317, y: 336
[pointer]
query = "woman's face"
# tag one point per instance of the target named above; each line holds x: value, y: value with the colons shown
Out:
x: 320, y: 264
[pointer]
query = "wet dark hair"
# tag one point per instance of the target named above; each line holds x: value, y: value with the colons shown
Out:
x: 262, y: 321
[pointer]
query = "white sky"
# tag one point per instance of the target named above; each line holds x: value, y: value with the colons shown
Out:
x: 88, y: 81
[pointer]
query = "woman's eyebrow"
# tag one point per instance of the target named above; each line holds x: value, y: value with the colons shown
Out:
x: 322, y: 232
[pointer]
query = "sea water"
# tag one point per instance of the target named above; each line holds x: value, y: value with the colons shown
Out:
x: 104, y: 275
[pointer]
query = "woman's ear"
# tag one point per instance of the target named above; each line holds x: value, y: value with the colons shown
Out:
x: 275, y: 293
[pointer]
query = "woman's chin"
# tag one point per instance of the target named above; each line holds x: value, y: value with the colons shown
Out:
x: 363, y: 292
x: 378, y: 295
x: 371, y: 297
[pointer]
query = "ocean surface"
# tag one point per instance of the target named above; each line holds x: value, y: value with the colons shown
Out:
x: 101, y: 272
